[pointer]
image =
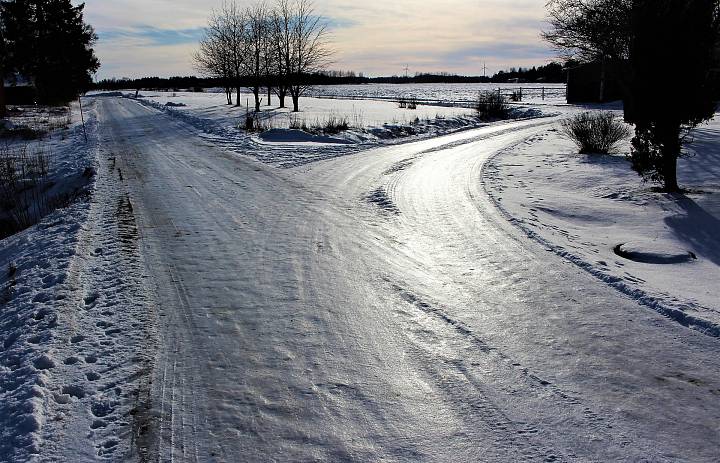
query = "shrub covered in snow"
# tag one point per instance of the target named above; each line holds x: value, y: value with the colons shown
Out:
x: 595, y: 132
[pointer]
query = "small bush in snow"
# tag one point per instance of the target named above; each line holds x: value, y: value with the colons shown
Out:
x: 249, y: 123
x: 24, y: 183
x: 492, y: 105
x: 336, y: 124
x: 21, y: 133
x: 299, y: 124
x: 595, y: 132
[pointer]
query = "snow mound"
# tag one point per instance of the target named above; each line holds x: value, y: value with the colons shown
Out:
x: 654, y: 253
x: 297, y: 136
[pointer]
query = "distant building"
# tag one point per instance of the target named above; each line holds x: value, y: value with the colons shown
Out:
x: 590, y: 83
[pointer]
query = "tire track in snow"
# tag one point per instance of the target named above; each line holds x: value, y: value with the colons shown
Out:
x: 499, y: 369
x: 479, y: 366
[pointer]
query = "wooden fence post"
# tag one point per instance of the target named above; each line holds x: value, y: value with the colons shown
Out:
x: 82, y: 118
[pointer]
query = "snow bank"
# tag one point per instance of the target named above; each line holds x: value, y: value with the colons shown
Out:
x: 660, y: 249
x: 296, y: 136
x: 34, y: 265
x: 77, y: 336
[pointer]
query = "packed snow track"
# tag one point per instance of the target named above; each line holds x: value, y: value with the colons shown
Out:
x: 377, y: 307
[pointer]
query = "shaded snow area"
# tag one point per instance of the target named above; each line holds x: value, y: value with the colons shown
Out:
x: 312, y: 134
x: 661, y: 249
x: 74, y: 321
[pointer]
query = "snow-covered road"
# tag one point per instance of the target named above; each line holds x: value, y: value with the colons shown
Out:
x: 377, y: 307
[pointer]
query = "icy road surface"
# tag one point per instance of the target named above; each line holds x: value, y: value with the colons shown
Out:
x: 377, y: 307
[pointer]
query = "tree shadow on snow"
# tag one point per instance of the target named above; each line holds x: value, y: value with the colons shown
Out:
x: 704, y: 162
x: 697, y: 228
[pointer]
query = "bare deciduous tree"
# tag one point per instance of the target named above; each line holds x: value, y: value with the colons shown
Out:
x: 256, y: 36
x: 260, y: 47
x: 304, y: 48
x: 590, y: 30
x: 281, y: 19
x: 212, y: 60
x: 222, y: 50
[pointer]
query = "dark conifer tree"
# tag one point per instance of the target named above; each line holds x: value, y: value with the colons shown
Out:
x: 672, y: 90
x: 49, y: 42
x: 3, y: 59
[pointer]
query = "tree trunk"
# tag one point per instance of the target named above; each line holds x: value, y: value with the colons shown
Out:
x: 3, y: 109
x: 2, y: 97
x: 256, y: 93
x: 602, y: 80
x: 237, y: 98
x: 269, y: 89
x: 670, y: 174
x: 295, y: 94
x: 281, y: 95
x: 670, y: 153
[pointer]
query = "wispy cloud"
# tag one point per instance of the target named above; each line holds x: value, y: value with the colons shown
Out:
x: 153, y: 35
x: 139, y: 37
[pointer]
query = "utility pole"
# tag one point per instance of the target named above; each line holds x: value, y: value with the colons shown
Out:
x: 407, y: 69
x: 484, y: 69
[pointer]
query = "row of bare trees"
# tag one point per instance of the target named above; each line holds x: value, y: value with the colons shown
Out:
x: 273, y: 47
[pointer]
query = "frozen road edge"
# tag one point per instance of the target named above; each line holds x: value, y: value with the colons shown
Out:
x: 675, y: 313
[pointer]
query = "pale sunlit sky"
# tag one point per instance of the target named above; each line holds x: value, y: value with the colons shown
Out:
x: 377, y: 37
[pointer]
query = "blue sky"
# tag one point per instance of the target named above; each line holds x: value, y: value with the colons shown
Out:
x: 377, y: 37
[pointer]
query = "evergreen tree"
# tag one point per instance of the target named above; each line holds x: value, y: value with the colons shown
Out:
x: 3, y: 59
x: 48, y: 41
x: 672, y: 86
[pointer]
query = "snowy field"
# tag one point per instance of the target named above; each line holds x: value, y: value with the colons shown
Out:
x: 662, y: 249
x: 313, y: 111
x: 447, y: 93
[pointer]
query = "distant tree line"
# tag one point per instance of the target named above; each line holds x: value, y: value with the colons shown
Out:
x: 550, y: 73
x: 553, y: 72
x: 48, y: 43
